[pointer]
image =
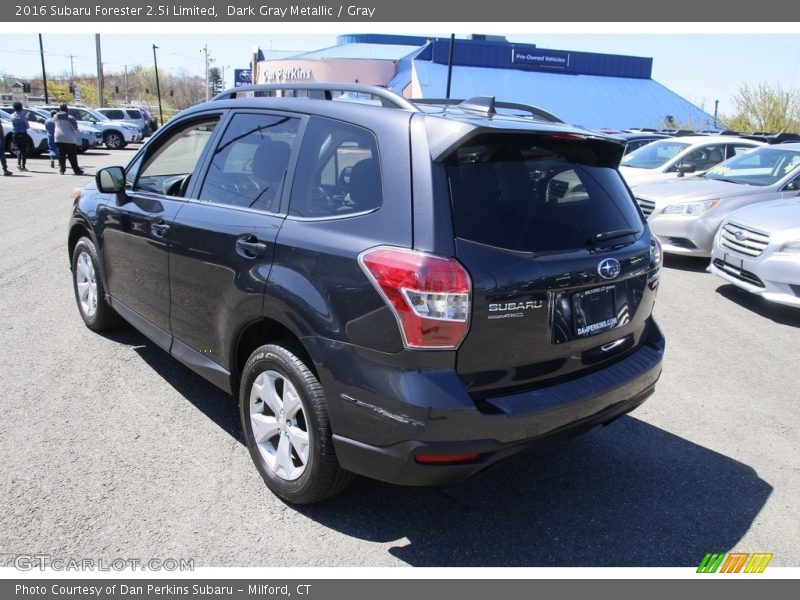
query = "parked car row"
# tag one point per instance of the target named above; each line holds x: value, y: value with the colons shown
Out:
x: 88, y: 136
x: 94, y: 129
x: 743, y: 214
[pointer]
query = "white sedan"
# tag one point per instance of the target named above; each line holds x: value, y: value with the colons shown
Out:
x: 671, y: 158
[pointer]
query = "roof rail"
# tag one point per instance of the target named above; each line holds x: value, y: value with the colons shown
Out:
x: 533, y: 111
x: 324, y: 91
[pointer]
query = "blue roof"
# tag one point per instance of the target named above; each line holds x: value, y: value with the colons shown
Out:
x: 361, y: 51
x: 591, y: 101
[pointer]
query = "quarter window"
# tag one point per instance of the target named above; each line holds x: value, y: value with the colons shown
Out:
x: 249, y: 166
x: 341, y: 171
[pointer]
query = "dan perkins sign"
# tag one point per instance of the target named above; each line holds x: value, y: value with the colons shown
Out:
x: 533, y: 57
x: 281, y: 74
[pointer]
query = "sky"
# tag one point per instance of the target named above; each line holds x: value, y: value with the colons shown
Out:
x: 700, y: 66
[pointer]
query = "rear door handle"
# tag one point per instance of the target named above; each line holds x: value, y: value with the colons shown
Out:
x: 251, y: 247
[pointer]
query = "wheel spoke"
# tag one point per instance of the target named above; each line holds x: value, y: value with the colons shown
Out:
x: 264, y: 427
x: 291, y: 400
x: 283, y: 458
x: 84, y: 287
x: 299, y: 439
x: 264, y: 390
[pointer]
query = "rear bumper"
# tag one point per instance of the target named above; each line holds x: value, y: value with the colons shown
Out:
x: 428, y: 412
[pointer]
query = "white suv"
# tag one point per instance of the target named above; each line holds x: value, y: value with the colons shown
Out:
x: 116, y: 134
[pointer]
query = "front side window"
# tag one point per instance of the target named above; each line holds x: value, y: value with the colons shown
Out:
x: 338, y: 171
x: 533, y: 194
x: 703, y: 158
x: 250, y: 164
x: 655, y: 155
x: 168, y: 168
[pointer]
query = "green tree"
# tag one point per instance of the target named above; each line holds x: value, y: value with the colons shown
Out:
x: 764, y: 107
x: 214, y: 81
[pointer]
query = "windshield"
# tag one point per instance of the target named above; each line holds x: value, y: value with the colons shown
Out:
x: 654, y: 155
x: 534, y: 194
x: 763, y: 166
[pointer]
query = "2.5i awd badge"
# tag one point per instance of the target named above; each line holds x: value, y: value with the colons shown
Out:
x: 513, y: 310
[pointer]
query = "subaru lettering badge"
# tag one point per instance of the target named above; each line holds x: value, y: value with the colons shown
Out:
x: 609, y: 268
x: 739, y: 235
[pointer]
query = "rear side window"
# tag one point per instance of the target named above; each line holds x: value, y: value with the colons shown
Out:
x: 338, y: 171
x: 133, y: 114
x: 114, y: 114
x: 249, y: 165
x: 537, y: 194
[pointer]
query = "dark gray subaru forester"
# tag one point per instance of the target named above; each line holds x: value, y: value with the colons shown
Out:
x: 409, y: 291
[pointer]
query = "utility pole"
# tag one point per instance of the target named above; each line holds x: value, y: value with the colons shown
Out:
x: 44, y: 73
x: 126, y: 85
x: 158, y: 87
x: 716, y: 106
x: 204, y: 49
x: 99, y: 72
x: 72, y: 76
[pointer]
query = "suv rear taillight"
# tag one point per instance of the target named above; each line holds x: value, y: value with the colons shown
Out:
x: 429, y: 295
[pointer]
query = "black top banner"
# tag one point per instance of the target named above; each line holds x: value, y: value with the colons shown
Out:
x: 393, y: 11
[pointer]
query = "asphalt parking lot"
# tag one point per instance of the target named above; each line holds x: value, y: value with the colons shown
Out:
x: 111, y: 449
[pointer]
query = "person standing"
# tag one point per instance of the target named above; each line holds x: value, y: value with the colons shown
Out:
x: 66, y: 141
x: 20, y: 124
x: 52, y: 150
x: 6, y: 172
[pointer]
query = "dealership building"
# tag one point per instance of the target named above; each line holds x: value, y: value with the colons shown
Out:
x: 585, y: 88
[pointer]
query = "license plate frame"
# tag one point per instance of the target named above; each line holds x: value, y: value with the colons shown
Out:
x: 733, y: 261
x: 594, y: 311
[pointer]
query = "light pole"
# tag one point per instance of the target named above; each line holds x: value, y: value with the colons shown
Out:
x: 158, y: 87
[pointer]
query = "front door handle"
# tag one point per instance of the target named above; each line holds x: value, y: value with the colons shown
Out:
x: 251, y: 246
x: 160, y: 228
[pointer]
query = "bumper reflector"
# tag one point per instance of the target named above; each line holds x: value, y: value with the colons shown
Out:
x: 445, y: 459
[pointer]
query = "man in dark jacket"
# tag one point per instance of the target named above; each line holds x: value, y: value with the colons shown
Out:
x: 66, y: 140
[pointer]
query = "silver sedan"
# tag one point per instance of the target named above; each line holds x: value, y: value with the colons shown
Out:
x: 686, y: 214
x: 758, y: 249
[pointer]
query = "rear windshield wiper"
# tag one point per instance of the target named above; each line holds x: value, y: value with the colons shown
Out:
x: 610, y: 235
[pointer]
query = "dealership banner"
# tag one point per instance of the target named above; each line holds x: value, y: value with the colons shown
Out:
x: 394, y: 589
x: 392, y: 11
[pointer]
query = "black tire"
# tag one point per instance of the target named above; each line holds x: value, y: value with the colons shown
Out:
x: 114, y: 140
x: 321, y: 477
x: 103, y: 317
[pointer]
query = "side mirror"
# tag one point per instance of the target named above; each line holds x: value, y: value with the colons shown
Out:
x: 110, y: 180
x: 685, y: 168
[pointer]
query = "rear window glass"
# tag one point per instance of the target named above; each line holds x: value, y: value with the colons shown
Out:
x: 537, y: 195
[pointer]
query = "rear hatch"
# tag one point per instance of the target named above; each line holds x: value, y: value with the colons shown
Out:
x: 564, y: 270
